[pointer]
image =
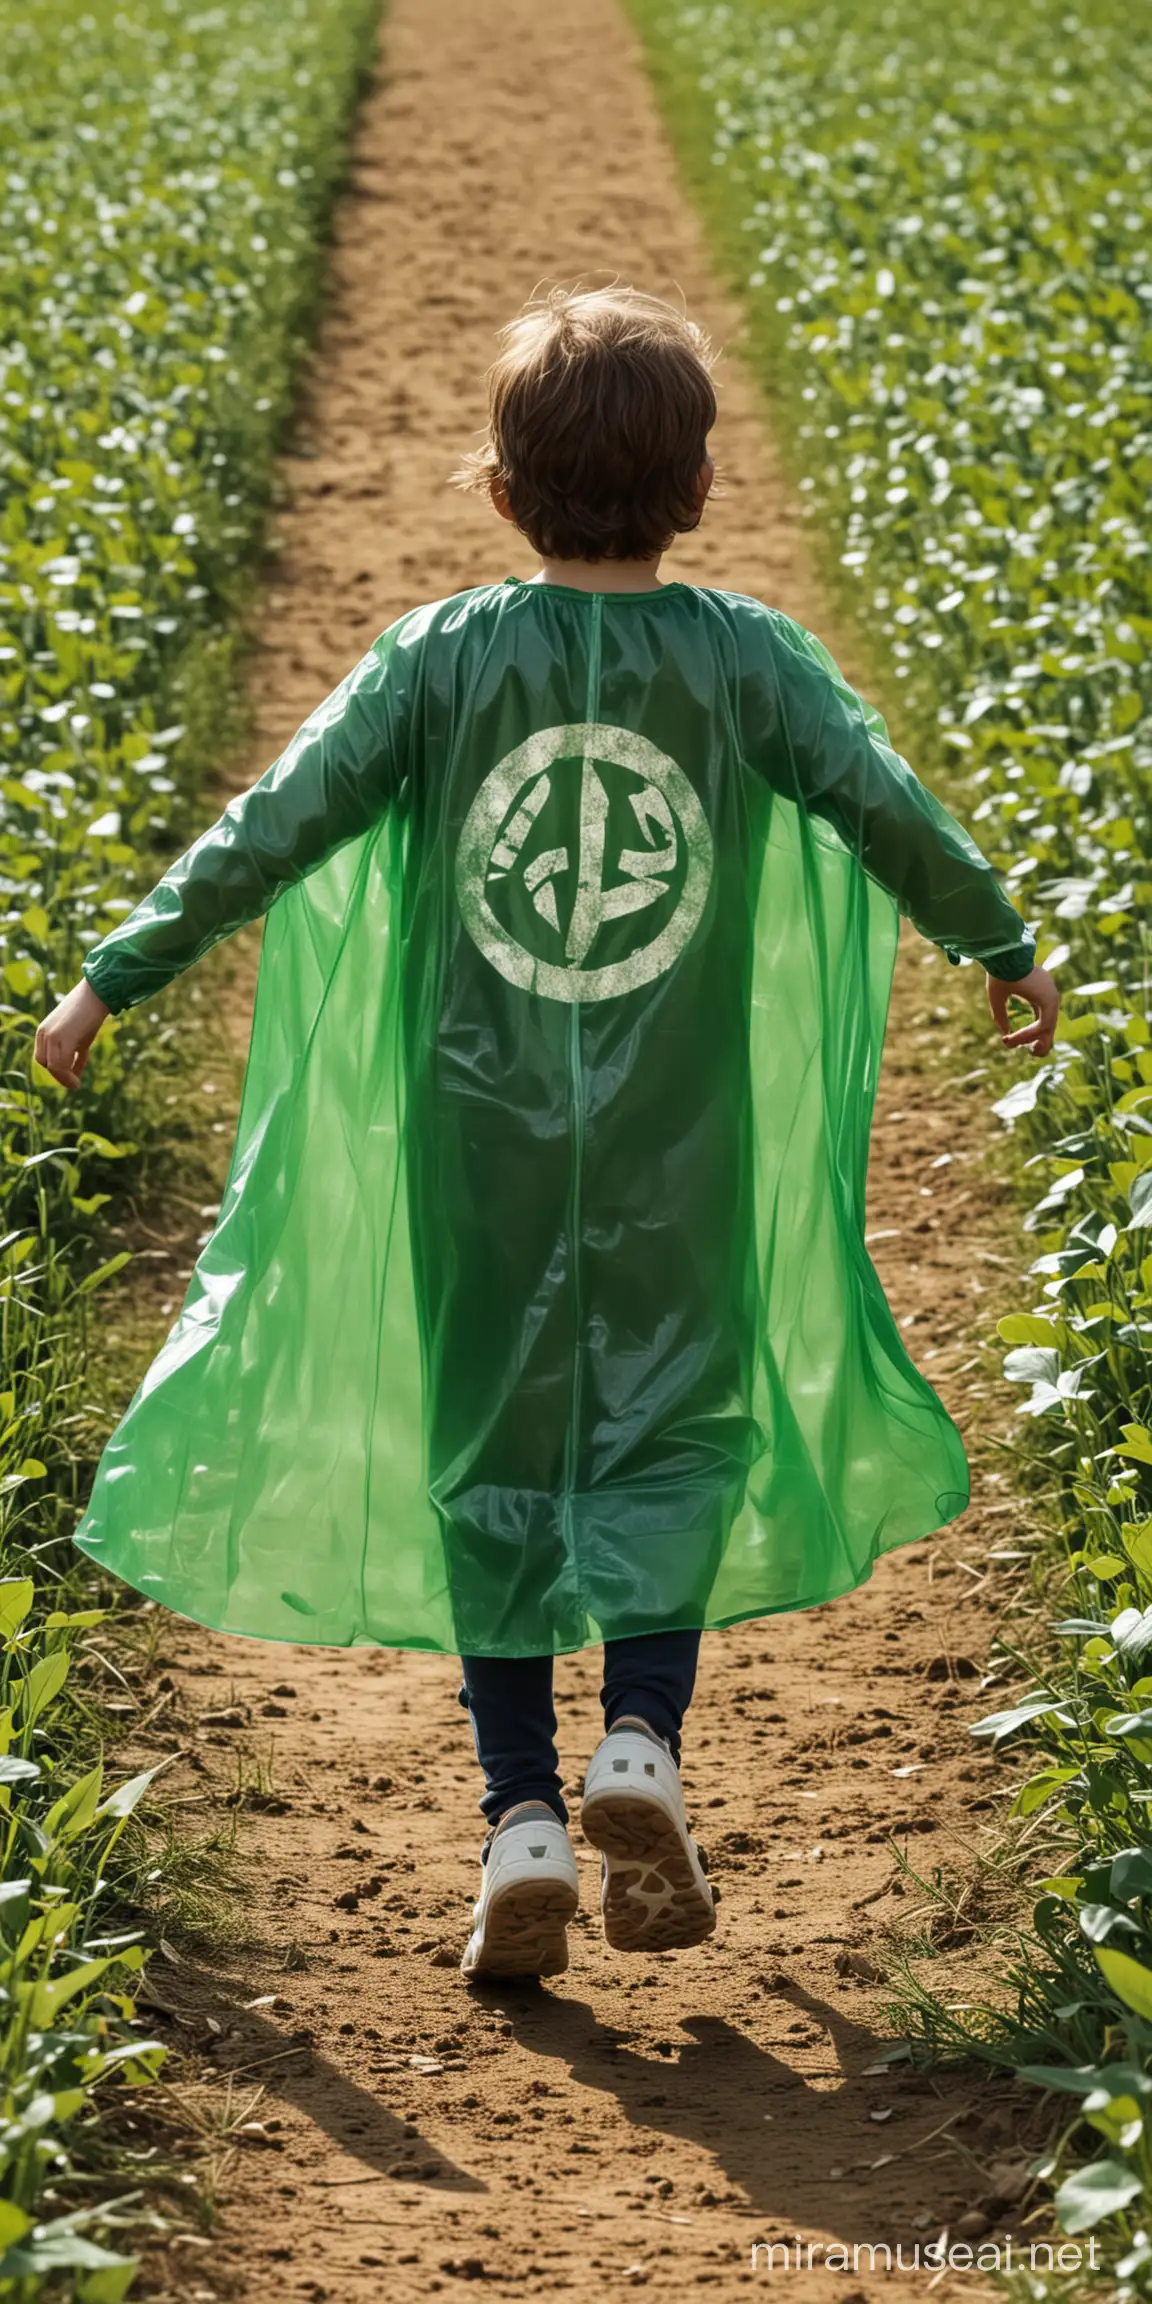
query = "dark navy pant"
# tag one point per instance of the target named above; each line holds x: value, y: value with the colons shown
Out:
x: 509, y: 1699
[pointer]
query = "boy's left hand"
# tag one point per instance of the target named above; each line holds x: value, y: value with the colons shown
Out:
x: 65, y: 1037
x: 1042, y: 994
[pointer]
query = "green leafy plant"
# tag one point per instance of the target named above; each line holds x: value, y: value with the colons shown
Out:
x: 940, y: 229
x: 165, y: 178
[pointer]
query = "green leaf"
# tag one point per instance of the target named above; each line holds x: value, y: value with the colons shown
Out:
x: 139, y: 2060
x: 14, y: 1897
x: 1131, y: 1874
x: 1129, y: 1980
x: 14, y: 1770
x: 75, y: 1811
x: 13, y: 2223
x: 1132, y: 1631
x: 46, y: 1928
x: 44, y: 1682
x: 128, y: 1795
x: 89, y: 1141
x: 109, y: 2286
x: 47, y: 1999
x: 1071, y: 2079
x: 1090, y: 2194
x: 1129, y: 1724
x: 61, y: 2250
x: 1038, y: 1789
x: 998, y: 1724
x: 1032, y: 1365
x: 1025, y: 1328
x: 106, y: 1272
x: 1118, y: 2118
x: 23, y: 977
x: 16, y: 1596
x: 1137, y: 1541
x: 1097, y: 1922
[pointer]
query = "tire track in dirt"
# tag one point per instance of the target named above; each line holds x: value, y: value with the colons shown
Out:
x: 641, y: 2123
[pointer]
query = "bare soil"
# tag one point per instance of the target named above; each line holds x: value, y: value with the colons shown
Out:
x: 645, y: 2122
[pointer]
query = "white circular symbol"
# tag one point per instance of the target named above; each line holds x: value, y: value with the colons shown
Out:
x: 516, y: 875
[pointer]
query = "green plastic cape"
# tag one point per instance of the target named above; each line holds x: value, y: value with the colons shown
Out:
x: 538, y: 1309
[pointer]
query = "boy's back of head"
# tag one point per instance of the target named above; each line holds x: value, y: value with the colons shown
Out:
x: 600, y: 405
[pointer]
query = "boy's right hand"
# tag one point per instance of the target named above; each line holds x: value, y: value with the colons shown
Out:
x: 65, y: 1037
x: 1042, y: 994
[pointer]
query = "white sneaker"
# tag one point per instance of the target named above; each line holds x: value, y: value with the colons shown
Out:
x: 655, y: 1897
x: 529, y: 1893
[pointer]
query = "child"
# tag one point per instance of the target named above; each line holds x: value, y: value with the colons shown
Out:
x: 538, y: 1307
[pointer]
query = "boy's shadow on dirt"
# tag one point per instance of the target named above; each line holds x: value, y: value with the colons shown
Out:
x: 773, y: 2137
x: 288, y: 2071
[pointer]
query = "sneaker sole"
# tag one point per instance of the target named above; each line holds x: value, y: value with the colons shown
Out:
x: 525, y: 1930
x: 652, y: 1899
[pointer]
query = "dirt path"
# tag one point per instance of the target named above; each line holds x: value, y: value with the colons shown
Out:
x: 644, y: 2123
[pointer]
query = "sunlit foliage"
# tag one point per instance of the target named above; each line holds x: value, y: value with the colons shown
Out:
x: 165, y: 175
x: 941, y: 222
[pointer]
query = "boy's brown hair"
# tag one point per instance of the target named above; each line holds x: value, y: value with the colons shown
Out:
x: 600, y: 404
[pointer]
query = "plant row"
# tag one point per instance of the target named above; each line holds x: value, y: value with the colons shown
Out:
x: 941, y: 225
x: 165, y: 178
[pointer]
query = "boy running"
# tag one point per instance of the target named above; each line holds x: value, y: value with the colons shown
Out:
x: 538, y: 1309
